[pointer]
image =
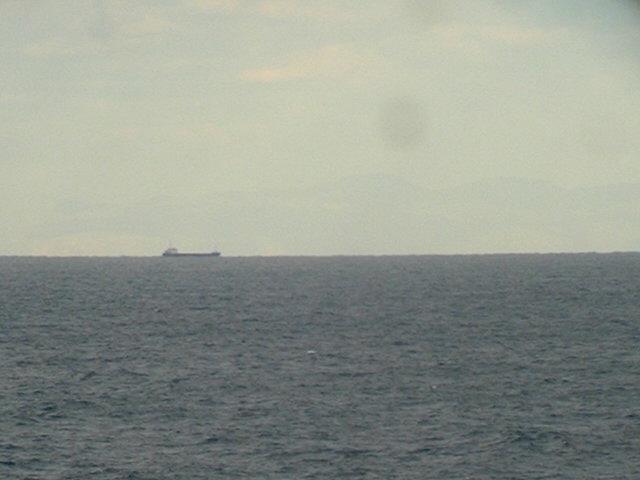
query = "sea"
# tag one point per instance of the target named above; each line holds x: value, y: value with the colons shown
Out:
x: 393, y: 367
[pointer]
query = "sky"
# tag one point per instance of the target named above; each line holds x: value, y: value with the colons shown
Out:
x: 304, y: 127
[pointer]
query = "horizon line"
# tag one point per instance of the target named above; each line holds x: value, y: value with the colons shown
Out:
x: 342, y: 255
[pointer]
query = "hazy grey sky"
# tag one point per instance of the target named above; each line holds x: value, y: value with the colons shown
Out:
x: 319, y: 127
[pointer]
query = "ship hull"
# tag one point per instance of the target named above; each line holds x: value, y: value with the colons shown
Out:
x: 212, y: 254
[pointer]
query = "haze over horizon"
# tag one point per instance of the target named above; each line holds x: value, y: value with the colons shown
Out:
x: 272, y: 127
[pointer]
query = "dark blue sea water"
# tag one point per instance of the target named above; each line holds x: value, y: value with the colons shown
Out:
x: 479, y: 367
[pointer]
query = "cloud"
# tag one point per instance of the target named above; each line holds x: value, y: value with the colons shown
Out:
x: 197, y: 131
x: 50, y: 48
x: 217, y: 5
x: 296, y: 8
x: 149, y: 25
x: 12, y: 98
x: 61, y: 47
x: 327, y: 62
x: 274, y: 8
x: 470, y: 37
x: 125, y: 26
x: 515, y: 35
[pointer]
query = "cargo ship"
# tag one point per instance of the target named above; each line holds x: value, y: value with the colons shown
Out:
x: 173, y: 252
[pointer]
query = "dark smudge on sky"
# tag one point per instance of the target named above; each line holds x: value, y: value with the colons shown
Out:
x: 403, y: 123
